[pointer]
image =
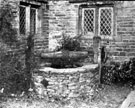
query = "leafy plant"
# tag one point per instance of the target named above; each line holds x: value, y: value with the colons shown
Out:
x: 8, y: 33
x: 12, y: 78
x: 119, y: 72
x: 69, y: 43
x: 16, y: 67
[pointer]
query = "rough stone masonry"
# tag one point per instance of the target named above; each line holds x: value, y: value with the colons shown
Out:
x: 64, y: 16
x: 65, y: 83
x: 55, y: 17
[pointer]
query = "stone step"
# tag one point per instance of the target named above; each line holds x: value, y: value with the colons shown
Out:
x: 129, y: 102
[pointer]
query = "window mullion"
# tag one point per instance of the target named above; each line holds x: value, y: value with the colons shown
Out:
x: 27, y: 19
x: 96, y: 21
x: 33, y: 20
x: 37, y: 22
x: 82, y: 22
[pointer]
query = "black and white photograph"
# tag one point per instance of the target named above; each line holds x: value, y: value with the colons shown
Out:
x: 67, y: 54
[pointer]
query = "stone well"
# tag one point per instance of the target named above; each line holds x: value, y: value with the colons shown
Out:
x: 65, y: 83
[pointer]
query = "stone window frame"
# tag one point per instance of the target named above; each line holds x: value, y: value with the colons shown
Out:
x: 28, y: 7
x: 97, y: 7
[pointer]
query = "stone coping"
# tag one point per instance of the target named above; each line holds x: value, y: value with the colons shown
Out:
x: 64, y: 54
x: 82, y: 69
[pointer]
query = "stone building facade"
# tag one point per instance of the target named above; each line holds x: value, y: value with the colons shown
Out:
x: 65, y: 15
x: 114, y: 22
x: 32, y: 16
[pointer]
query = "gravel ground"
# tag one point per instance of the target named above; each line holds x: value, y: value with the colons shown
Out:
x: 108, y: 97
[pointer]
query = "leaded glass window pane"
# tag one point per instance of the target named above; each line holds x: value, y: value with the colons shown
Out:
x: 105, y: 21
x: 22, y: 24
x: 32, y: 20
x: 88, y: 20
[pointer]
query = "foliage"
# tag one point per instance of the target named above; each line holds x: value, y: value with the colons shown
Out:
x: 29, y: 60
x: 12, y: 67
x: 11, y: 63
x: 14, y: 77
x: 69, y: 43
x: 8, y: 33
x: 119, y: 72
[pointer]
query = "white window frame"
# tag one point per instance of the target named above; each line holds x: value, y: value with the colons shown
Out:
x: 83, y: 18
x: 100, y: 20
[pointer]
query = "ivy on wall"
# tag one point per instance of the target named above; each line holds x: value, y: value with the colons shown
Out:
x: 8, y: 34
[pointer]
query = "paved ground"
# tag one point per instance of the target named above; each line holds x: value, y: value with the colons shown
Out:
x: 129, y: 101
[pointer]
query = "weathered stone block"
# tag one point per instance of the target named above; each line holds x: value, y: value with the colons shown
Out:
x: 132, y: 46
x: 72, y: 95
x: 50, y: 90
x: 75, y: 80
x: 131, y: 54
x: 73, y: 87
x: 38, y: 79
x: 122, y: 54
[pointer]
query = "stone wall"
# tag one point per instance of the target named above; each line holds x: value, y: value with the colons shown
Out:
x: 64, y: 17
x: 42, y: 26
x: 123, y: 46
x: 61, y: 16
x: 65, y: 83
